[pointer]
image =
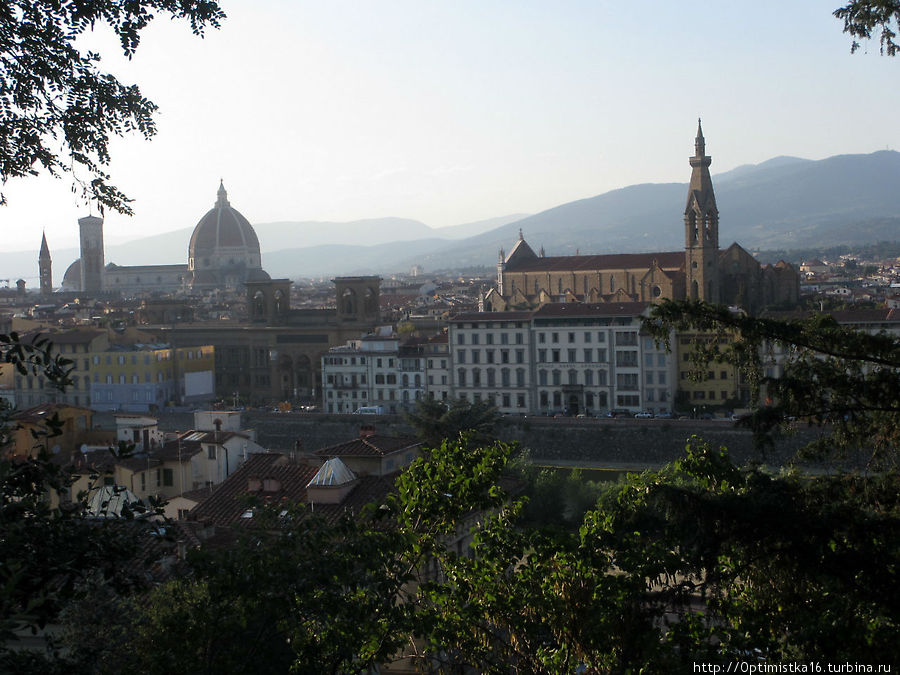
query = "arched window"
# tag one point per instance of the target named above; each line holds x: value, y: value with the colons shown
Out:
x: 573, y: 376
x: 279, y: 302
x: 259, y: 304
x: 348, y: 301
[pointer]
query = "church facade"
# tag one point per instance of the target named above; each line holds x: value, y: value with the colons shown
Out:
x: 703, y: 270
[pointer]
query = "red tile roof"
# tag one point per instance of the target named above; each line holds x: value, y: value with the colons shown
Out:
x: 370, y: 446
x: 611, y: 261
x: 287, y: 482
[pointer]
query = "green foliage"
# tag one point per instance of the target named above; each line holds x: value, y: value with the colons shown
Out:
x: 862, y: 18
x: 795, y: 567
x: 843, y: 379
x: 435, y: 420
x: 54, y: 95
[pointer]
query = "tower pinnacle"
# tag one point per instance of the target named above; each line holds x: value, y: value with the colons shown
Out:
x: 222, y: 195
x: 699, y: 142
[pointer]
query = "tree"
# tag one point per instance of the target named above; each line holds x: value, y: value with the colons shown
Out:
x: 862, y: 18
x: 435, y: 421
x: 844, y: 380
x: 58, y: 109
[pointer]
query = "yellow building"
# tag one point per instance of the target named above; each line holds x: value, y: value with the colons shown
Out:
x: 721, y: 383
x: 142, y: 377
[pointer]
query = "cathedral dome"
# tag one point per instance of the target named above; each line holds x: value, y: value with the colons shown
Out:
x: 224, y: 248
x: 71, y: 282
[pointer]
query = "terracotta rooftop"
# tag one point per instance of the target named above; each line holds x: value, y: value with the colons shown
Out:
x: 369, y: 446
x: 272, y: 478
x: 618, y: 261
x: 568, y: 309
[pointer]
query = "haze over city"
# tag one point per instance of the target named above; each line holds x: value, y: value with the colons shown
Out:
x: 450, y: 114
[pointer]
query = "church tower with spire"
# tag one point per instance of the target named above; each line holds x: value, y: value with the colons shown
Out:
x: 701, y: 228
x: 45, y: 269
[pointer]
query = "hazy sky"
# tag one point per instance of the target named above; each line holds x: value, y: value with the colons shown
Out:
x: 454, y: 112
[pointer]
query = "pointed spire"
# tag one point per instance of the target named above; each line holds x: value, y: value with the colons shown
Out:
x: 45, y: 250
x: 542, y: 251
x: 521, y: 236
x: 501, y: 254
x: 699, y: 142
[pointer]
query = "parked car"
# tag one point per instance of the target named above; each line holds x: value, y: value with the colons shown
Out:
x: 665, y: 415
x: 644, y: 415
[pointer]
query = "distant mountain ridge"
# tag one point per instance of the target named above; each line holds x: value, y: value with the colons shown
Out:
x: 784, y: 202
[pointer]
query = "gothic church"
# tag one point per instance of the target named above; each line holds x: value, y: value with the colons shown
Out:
x: 731, y: 276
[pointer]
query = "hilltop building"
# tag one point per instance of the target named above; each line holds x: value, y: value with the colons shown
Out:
x: 704, y: 271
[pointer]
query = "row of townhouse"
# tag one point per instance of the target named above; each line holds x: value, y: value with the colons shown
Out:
x: 561, y: 358
x: 566, y: 358
x: 383, y: 371
x: 127, y: 377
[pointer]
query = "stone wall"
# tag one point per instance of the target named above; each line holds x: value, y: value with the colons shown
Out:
x: 590, y: 442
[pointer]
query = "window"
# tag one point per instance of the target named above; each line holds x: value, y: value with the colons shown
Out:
x: 648, y: 379
x: 626, y: 338
x: 601, y: 356
x: 489, y: 353
x: 520, y: 340
x: 504, y: 338
x: 555, y: 356
x: 571, y: 338
x: 504, y: 356
x: 506, y: 401
x: 520, y: 377
x: 476, y: 377
x: 460, y: 340
x: 504, y: 377
x: 461, y: 377
x: 557, y: 377
x: 723, y: 375
x: 211, y: 452
x: 542, y: 378
x: 626, y: 359
x: 555, y: 337
x: 491, y: 378
x: 542, y: 338
x: 168, y: 477
x: 572, y: 357
x: 588, y: 355
x: 520, y: 400
x: 476, y: 356
x: 461, y: 356
x: 587, y: 336
x: 542, y: 355
x: 489, y: 339
x: 661, y: 377
x: 573, y: 376
x: 627, y: 381
x: 520, y: 356
x: 601, y: 336
x: 475, y: 338
x: 589, y: 378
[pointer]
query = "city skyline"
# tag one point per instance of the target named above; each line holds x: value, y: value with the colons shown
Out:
x: 453, y: 115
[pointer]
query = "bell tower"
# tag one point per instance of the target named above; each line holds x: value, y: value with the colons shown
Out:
x: 45, y: 268
x: 701, y: 228
x: 91, y: 231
